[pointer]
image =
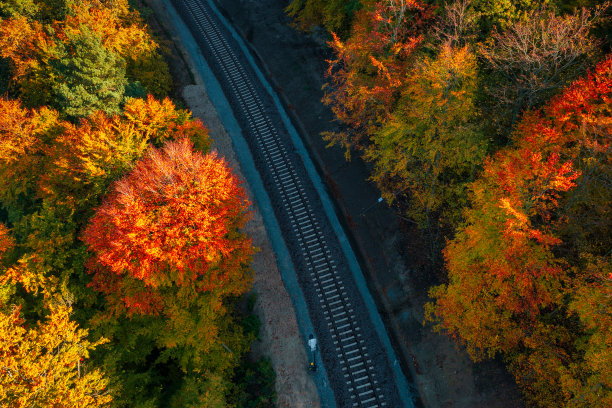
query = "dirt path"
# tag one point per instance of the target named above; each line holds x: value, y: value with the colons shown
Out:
x: 280, y: 337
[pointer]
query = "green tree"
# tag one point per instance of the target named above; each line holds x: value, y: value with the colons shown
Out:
x: 503, y: 13
x: 53, y: 10
x: 151, y: 71
x: 334, y: 15
x: 92, y: 78
x: 14, y: 8
x: 432, y: 147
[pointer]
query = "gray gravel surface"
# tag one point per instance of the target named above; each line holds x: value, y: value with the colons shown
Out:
x: 376, y: 352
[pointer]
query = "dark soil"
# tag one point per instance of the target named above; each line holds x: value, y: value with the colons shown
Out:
x: 393, y: 252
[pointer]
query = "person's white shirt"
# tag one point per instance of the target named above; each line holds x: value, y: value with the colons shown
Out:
x: 312, y: 343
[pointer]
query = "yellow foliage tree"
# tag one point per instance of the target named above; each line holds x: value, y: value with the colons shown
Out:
x: 431, y: 146
x: 22, y: 136
x: 43, y: 366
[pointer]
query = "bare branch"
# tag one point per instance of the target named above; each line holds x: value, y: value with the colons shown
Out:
x: 538, y: 56
x: 457, y: 24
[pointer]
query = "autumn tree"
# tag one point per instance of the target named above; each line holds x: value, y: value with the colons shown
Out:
x: 6, y: 242
x: 78, y: 64
x: 167, y: 243
x: 335, y: 15
x: 520, y: 259
x: 61, y: 170
x: 88, y: 157
x: 173, y: 220
x: 54, y: 172
x: 502, y: 14
x: 367, y: 71
x: 13, y: 8
x: 24, y: 135
x: 431, y: 146
x: 44, y: 364
x: 531, y: 59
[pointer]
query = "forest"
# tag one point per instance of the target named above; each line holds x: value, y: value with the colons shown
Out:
x: 124, y: 273
x: 489, y: 125
x: 123, y: 269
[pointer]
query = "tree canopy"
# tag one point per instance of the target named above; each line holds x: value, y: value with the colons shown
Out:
x: 522, y: 277
x: 483, y: 127
x: 83, y: 59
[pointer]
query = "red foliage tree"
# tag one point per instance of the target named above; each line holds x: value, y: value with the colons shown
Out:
x: 6, y: 241
x: 173, y: 221
x: 536, y: 239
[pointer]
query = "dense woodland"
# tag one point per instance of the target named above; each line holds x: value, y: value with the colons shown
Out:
x: 123, y: 268
x: 489, y: 123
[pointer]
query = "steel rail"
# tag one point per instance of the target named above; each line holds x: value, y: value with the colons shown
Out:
x: 306, y: 225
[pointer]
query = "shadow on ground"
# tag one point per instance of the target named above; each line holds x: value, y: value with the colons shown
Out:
x: 391, y: 251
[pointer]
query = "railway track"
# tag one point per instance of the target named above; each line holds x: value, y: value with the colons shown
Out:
x: 358, y: 370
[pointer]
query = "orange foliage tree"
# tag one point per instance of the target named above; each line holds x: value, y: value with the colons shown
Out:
x: 537, y: 239
x: 172, y: 222
x: 23, y: 137
x: 68, y: 168
x: 6, y: 242
x: 368, y: 69
x: 167, y: 254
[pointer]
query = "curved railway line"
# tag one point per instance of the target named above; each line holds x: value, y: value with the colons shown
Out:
x: 358, y: 369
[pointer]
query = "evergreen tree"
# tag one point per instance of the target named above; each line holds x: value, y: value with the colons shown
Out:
x: 93, y: 78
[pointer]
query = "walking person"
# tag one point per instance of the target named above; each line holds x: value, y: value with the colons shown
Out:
x: 312, y: 343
